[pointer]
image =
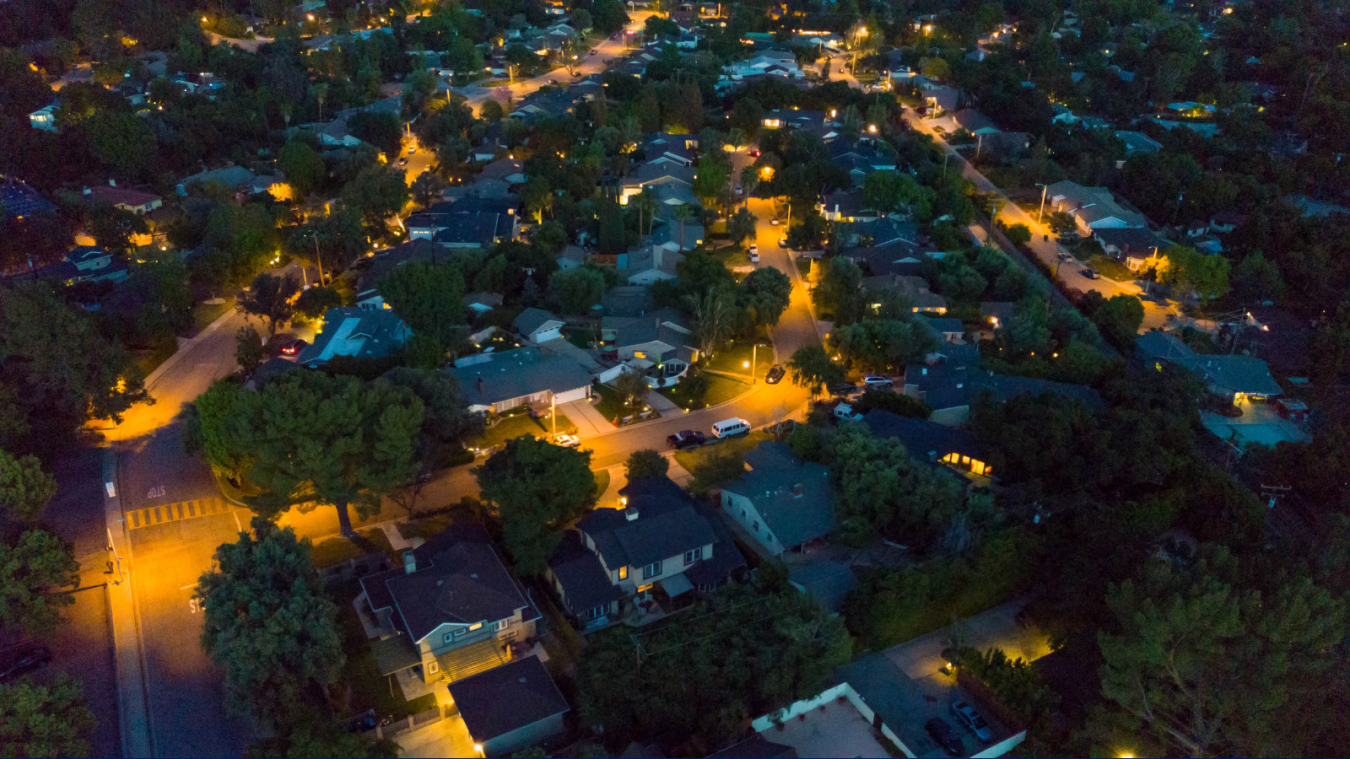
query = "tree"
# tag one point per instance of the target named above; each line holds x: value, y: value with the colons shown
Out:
x: 741, y: 225
x: 1019, y: 234
x: 812, y: 369
x: 631, y: 387
x: 838, y: 292
x: 25, y: 489
x: 427, y: 188
x: 382, y: 130
x: 311, y: 732
x: 1211, y: 665
x: 303, y: 168
x: 378, y: 192
x: 577, y: 290
x: 45, y: 720
x: 32, y: 566
x: 1204, y: 276
x: 581, y: 19
x: 315, y: 302
x: 934, y: 68
x: 646, y: 464
x: 491, y: 111
x: 65, y: 372
x: 428, y: 297
x: 709, y: 179
x: 766, y: 293
x: 307, y: 438
x: 112, y: 228
x: 536, y: 488
x: 1063, y: 225
x: 268, y: 622
x: 271, y: 298
x: 122, y: 142
x: 712, y: 317
x: 249, y: 351
x: 1119, y: 319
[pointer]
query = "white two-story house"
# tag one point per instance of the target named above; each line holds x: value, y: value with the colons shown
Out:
x: 451, y: 611
x: 613, y: 564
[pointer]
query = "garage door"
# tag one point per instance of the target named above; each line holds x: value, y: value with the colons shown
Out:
x: 580, y: 394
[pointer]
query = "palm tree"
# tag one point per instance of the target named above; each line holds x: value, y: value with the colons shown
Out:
x: 680, y: 213
x: 320, y: 91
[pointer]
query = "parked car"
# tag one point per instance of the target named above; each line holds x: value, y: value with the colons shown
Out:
x: 592, y: 52
x: 966, y: 715
x: 1090, y: 274
x: 939, y: 130
x: 755, y: 153
x: 944, y: 736
x: 843, y: 389
x: 294, y: 347
x: 566, y: 441
x: 412, y: 150
x: 23, y: 660
x: 362, y: 723
x: 403, y: 162
x: 774, y: 222
x: 1065, y: 257
x: 775, y: 374
x: 878, y: 382
x: 738, y: 189
x: 754, y: 253
x: 685, y: 439
x: 782, y: 242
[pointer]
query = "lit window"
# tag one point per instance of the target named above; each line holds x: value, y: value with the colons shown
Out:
x: 477, y: 626
x: 623, y: 572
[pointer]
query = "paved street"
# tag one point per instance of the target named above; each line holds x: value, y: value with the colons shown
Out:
x: 1157, y: 313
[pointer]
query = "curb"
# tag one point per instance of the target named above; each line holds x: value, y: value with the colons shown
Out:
x: 133, y: 704
x: 183, y: 350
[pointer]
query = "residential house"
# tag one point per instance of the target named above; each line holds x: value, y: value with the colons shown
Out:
x: 649, y: 265
x: 1138, y: 142
x: 659, y: 344
x: 945, y: 330
x: 462, y: 229
x: 997, y: 314
x: 974, y: 122
x: 1138, y: 247
x: 1062, y: 114
x: 676, y: 236
x: 913, y: 289
x: 1224, y: 222
x: 949, y: 386
x: 451, y: 611
x: 816, y: 122
x: 541, y: 103
x: 511, y: 707
x: 356, y: 332
x: 672, y: 149
x: 508, y: 170
x: 784, y: 503
x: 1236, y: 378
x: 236, y: 178
x: 481, y: 303
x: 18, y: 200
x: 1092, y: 207
x: 780, y: 63
x: 133, y: 201
x: 537, y: 325
x: 384, y: 263
x: 84, y: 263
x: 820, y: 40
x: 44, y: 118
x: 940, y: 99
x: 889, y: 259
x: 527, y: 376
x: 617, y: 557
x: 571, y: 257
x: 673, y: 185
x: 829, y: 582
x: 930, y: 442
x: 859, y: 160
x: 846, y: 205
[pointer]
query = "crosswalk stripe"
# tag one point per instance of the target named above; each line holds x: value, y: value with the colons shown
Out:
x: 175, y: 512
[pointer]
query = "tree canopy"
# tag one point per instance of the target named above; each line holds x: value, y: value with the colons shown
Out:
x: 536, y: 488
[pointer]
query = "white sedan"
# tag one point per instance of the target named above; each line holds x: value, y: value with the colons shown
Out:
x: 566, y: 441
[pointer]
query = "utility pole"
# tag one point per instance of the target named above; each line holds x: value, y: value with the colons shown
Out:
x: 553, y: 413
x: 1042, y: 211
x: 318, y: 258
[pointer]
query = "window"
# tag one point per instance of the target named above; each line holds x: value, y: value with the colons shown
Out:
x: 502, y: 625
x: 623, y: 572
x: 651, y: 570
x: 449, y: 637
x: 596, y: 613
x: 460, y: 632
x: 477, y: 626
x: 692, y: 556
x: 433, y: 667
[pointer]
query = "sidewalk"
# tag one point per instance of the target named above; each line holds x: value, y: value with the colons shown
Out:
x: 137, y: 738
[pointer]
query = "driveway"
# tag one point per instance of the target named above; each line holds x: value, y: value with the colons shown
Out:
x: 449, y: 737
x: 995, y: 628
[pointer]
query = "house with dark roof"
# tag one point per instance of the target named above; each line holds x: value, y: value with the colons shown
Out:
x: 124, y: 198
x: 462, y: 229
x: 501, y: 381
x: 507, y: 169
x: 1138, y: 247
x: 384, y: 263
x: 826, y: 581
x: 949, y: 386
x: 930, y: 442
x: 357, y: 332
x: 611, y: 565
x: 84, y: 263
x: 652, y: 263
x: 913, y: 289
x: 1230, y: 376
x: 451, y: 611
x: 538, y: 325
x: 18, y: 200
x: 1138, y: 142
x: 511, y: 707
x: 783, y: 502
x: 656, y: 337
x: 1093, y: 208
x: 846, y: 205
x: 672, y: 149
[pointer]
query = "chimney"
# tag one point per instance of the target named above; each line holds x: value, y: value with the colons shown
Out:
x: 481, y: 384
x: 630, y: 514
x: 112, y: 182
x: 797, y: 490
x: 409, y: 562
x: 88, y: 191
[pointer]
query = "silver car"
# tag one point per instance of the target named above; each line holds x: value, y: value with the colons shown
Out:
x: 966, y: 715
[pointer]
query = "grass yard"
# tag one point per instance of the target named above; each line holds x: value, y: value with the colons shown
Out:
x: 720, y: 390
x: 601, y: 482
x: 733, y: 256
x: 1111, y: 268
x: 368, y: 688
x: 337, y: 550
x: 579, y: 336
x: 609, y: 406
x: 693, y: 457
x: 733, y: 358
x: 204, y: 313
x: 149, y: 360
x: 425, y: 527
x: 520, y: 424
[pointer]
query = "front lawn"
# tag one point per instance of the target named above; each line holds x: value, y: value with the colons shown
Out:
x: 337, y: 550
x: 601, y: 482
x: 149, y: 360
x: 610, y: 407
x: 514, y: 426
x: 1111, y: 268
x: 720, y: 389
x: 582, y: 337
x: 203, y: 314
x: 426, y: 527
x: 690, y: 458
x: 736, y: 355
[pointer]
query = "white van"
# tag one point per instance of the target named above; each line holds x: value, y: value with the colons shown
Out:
x: 730, y: 428
x: 844, y: 412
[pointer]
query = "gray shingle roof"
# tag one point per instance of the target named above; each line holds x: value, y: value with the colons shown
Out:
x: 669, y: 523
x: 507, y: 698
x: 827, y: 581
x: 531, y: 320
x: 363, y: 332
x: 925, y: 440
x: 584, y: 581
x: 772, y: 485
x: 516, y: 373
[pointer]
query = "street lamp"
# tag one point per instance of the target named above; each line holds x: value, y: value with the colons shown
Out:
x: 1041, y: 213
x: 857, y: 40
